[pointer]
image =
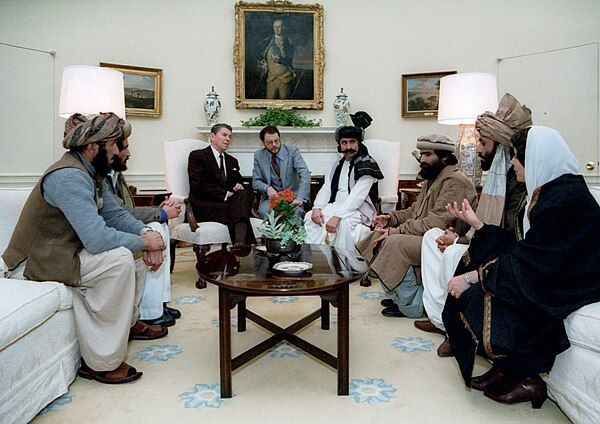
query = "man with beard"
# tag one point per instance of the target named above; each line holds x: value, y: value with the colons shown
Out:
x: 279, y: 167
x: 70, y: 232
x: 344, y: 208
x: 157, y: 290
x: 394, y: 248
x: 502, y: 200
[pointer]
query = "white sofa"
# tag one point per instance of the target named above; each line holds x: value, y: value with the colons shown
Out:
x: 39, y: 351
x: 574, y: 382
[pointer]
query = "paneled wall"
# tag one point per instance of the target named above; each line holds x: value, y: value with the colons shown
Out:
x: 368, y: 46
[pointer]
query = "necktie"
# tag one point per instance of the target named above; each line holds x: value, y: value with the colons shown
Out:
x: 275, y: 164
x: 222, y: 168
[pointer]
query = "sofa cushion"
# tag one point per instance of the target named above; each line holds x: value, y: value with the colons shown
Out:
x: 25, y: 305
x: 582, y: 327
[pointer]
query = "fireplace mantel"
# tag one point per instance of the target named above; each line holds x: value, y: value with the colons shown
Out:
x: 308, y: 140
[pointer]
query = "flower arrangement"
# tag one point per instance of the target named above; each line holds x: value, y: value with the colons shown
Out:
x: 283, y: 222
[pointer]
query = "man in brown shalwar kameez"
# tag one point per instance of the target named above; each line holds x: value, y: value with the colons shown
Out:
x: 394, y: 248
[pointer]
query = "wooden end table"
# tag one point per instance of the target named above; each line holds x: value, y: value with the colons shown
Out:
x: 247, y: 271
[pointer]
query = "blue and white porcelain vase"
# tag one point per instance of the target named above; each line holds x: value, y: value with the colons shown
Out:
x: 212, y: 107
x: 341, y: 107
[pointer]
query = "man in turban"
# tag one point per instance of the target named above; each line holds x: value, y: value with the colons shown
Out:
x: 70, y: 232
x: 394, y: 248
x: 501, y: 201
x: 157, y: 289
x: 344, y: 206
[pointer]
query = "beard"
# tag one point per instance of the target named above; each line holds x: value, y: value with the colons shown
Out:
x: 429, y: 172
x: 118, y: 164
x: 100, y: 161
x: 486, y: 161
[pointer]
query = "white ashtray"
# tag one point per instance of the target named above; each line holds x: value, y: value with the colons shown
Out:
x: 292, y: 267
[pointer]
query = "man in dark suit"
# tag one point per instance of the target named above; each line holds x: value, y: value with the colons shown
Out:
x: 216, y: 189
x: 279, y: 167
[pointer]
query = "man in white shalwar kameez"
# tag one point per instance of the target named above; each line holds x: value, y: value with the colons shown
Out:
x: 343, y: 209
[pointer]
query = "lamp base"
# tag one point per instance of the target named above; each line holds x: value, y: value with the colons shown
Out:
x: 466, y: 148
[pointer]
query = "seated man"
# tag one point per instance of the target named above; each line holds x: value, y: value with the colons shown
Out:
x: 279, y: 167
x: 69, y: 232
x: 216, y: 189
x: 394, y: 248
x: 502, y: 200
x: 157, y: 290
x: 345, y: 203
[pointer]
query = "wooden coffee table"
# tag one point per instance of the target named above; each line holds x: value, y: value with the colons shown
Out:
x: 248, y: 271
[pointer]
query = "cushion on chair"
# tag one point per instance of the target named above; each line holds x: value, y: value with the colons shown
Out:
x: 25, y: 305
x: 583, y: 327
x: 207, y: 233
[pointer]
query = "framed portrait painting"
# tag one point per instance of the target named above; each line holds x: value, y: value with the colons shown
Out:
x: 279, y: 55
x: 143, y: 89
x: 421, y: 94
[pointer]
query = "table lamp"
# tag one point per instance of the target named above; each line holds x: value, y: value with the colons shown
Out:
x: 90, y: 90
x: 463, y: 97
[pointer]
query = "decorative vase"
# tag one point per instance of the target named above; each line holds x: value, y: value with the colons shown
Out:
x: 341, y: 107
x: 212, y: 107
x: 275, y: 246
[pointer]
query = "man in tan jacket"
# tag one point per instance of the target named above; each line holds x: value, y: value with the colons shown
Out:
x: 394, y: 248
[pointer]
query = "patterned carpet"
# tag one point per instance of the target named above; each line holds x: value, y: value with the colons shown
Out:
x: 395, y: 373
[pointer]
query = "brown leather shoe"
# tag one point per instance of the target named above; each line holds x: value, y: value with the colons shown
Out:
x: 143, y: 331
x: 493, y: 377
x: 427, y: 326
x: 445, y: 350
x: 525, y: 390
x: 124, y: 373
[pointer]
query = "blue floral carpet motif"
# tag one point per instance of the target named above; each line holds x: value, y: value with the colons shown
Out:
x: 57, y: 403
x: 283, y: 299
x: 372, y: 295
x: 203, y: 396
x: 188, y: 300
x: 162, y: 352
x: 412, y: 344
x: 285, y: 350
x: 371, y: 390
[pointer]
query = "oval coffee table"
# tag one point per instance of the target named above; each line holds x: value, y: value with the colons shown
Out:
x: 247, y: 271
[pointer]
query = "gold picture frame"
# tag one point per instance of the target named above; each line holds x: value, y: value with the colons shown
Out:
x: 143, y: 89
x: 421, y: 93
x: 299, y: 59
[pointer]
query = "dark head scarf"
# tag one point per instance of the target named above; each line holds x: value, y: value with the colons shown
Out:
x: 104, y: 127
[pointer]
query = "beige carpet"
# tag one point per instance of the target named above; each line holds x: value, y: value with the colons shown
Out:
x: 395, y: 373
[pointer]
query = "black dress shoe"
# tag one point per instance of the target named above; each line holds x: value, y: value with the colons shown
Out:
x: 175, y: 313
x: 386, y: 303
x: 165, y: 321
x: 485, y: 382
x: 529, y: 389
x: 392, y: 311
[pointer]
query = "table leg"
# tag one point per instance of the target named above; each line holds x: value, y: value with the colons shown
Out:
x: 324, y: 314
x: 241, y: 316
x: 225, y: 342
x: 343, y: 347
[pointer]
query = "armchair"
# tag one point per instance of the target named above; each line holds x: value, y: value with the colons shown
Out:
x: 387, y: 155
x: 200, y: 235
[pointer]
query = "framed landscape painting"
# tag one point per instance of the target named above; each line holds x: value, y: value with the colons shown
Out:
x: 278, y: 55
x: 421, y: 94
x: 143, y: 89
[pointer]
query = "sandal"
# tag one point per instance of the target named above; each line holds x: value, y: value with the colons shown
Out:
x: 143, y: 331
x: 124, y: 373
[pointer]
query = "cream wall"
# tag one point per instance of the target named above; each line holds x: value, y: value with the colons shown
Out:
x: 368, y: 45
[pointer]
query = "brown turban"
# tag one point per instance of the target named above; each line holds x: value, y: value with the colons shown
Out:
x: 510, y: 117
x: 104, y: 127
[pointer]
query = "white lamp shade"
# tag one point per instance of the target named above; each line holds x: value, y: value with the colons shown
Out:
x: 463, y: 97
x: 90, y: 90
